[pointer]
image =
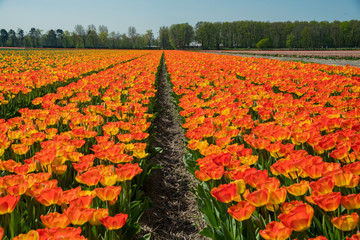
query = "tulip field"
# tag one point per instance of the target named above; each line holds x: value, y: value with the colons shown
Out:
x: 273, y: 146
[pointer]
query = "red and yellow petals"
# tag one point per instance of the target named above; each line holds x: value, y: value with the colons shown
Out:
x: 8, y: 203
x: 55, y: 220
x: 298, y: 189
x: 299, y: 218
x: 226, y: 193
x: 257, y: 198
x: 347, y: 222
x: 241, y: 211
x: 83, y: 201
x: 97, y: 215
x: 351, y: 201
x: 114, y: 223
x: 31, y: 235
x: 109, y: 193
x: 79, y: 215
x: 278, y: 196
x: 276, y: 231
x: 50, y: 196
x: 328, y: 202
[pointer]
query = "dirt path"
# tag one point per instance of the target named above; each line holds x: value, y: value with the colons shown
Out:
x: 175, y: 213
x: 341, y: 62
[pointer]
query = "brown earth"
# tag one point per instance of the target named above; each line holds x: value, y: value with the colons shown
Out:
x: 174, y: 214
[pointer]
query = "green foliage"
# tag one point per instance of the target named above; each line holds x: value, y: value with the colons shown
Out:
x: 263, y: 43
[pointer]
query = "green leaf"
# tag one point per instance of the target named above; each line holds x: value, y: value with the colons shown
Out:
x: 227, y: 234
x: 190, y: 163
x: 146, y: 237
x: 206, y: 232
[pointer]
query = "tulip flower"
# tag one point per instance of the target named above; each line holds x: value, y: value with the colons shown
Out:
x: 116, y: 222
x: 346, y: 222
x: 32, y: 235
x: 79, y: 215
x: 276, y: 231
x: 109, y: 193
x: 257, y: 198
x: 299, y: 218
x: 225, y: 193
x: 298, y: 189
x: 351, y: 201
x: 97, y: 215
x: 241, y: 211
x: 8, y: 203
x: 55, y: 220
x: 328, y: 202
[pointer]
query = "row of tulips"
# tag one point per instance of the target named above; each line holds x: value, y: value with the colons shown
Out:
x: 74, y: 164
x: 275, y: 145
x: 27, y: 74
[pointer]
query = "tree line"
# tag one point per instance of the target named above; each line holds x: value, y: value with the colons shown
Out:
x: 81, y: 37
x: 205, y: 35
x: 255, y: 34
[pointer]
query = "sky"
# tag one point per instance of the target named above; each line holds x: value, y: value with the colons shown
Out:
x: 144, y: 15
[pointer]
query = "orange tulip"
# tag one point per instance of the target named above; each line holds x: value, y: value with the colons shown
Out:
x: 108, y: 193
x: 328, y: 202
x: 79, y: 215
x: 323, y: 185
x: 299, y: 218
x: 225, y: 193
x: 55, y: 220
x: 1, y: 232
x: 83, y: 201
x: 351, y: 201
x: 97, y: 215
x: 241, y: 211
x: 89, y: 178
x: 60, y: 233
x: 31, y: 235
x: 298, y: 189
x: 50, y: 196
x: 18, y: 189
x: 116, y: 222
x: 278, y: 196
x: 8, y: 203
x: 127, y: 171
x: 276, y: 231
x: 346, y: 222
x: 257, y: 198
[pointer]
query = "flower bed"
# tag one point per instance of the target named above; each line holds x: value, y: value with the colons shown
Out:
x: 274, y: 144
x: 74, y: 166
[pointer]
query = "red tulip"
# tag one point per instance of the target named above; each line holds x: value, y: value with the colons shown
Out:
x: 116, y: 222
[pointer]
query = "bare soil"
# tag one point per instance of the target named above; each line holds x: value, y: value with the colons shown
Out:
x: 174, y: 214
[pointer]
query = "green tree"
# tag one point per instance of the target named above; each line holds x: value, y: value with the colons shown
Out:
x: 263, y: 43
x: 59, y: 37
x: 149, y: 38
x: 133, y: 36
x: 4, y: 36
x: 164, y: 38
x: 305, y: 38
x: 291, y: 41
x: 181, y: 35
x: 79, y: 36
x: 103, y: 36
x: 12, y: 40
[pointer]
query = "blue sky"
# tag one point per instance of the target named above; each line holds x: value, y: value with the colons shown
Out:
x: 118, y: 15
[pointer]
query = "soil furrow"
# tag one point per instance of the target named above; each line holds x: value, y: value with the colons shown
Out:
x: 174, y: 214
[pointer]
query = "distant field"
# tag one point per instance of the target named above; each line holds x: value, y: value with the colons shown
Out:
x: 323, y: 54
